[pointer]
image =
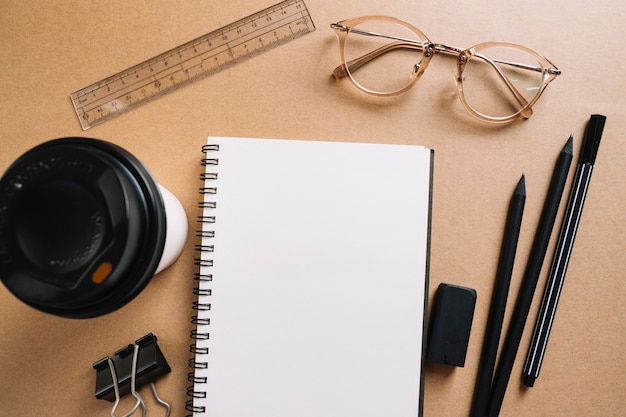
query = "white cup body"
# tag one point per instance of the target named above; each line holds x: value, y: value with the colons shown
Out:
x: 176, y: 229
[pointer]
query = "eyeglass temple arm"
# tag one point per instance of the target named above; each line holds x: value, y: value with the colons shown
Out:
x: 410, y: 44
x: 342, y: 70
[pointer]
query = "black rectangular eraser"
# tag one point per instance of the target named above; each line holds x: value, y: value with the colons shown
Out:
x: 450, y: 325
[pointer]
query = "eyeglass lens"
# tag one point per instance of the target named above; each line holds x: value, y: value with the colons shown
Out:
x: 500, y: 81
x: 395, y: 59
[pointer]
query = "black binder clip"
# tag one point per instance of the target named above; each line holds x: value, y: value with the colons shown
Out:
x: 131, y: 368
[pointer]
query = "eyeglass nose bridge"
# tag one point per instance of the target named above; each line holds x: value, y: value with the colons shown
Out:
x: 460, y: 66
x: 420, y: 67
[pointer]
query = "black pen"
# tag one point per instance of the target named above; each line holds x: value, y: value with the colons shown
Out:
x: 587, y: 159
x: 498, y: 300
x: 529, y: 282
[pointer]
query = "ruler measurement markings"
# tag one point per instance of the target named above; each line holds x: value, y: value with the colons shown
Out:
x: 244, y: 41
x: 167, y: 65
x: 193, y: 60
x: 155, y: 59
x: 163, y: 80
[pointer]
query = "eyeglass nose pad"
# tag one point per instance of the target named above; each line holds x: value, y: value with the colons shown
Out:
x: 416, y: 70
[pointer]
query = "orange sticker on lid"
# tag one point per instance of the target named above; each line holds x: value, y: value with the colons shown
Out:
x: 102, y: 273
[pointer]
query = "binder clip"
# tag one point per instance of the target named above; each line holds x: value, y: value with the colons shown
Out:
x: 131, y: 368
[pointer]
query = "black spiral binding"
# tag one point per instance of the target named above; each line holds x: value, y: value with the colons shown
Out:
x: 202, y: 260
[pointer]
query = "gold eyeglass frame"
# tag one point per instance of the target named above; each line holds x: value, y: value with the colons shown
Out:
x: 344, y: 27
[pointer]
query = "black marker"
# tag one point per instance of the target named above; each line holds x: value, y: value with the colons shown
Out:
x: 537, y: 349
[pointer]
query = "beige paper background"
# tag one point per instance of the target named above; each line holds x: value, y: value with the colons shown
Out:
x: 50, y: 49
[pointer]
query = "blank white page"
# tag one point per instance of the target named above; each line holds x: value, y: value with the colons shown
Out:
x: 319, y: 273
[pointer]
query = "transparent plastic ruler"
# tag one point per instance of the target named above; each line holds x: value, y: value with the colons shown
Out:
x: 206, y: 55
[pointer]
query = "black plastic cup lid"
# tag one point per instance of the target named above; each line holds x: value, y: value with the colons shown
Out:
x: 82, y: 227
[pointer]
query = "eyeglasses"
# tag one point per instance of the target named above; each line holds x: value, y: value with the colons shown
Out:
x: 496, y: 81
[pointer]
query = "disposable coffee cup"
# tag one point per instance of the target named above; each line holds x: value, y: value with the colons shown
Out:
x: 84, y: 227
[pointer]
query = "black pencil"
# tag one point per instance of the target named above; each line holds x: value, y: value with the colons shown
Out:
x: 529, y: 282
x: 498, y: 300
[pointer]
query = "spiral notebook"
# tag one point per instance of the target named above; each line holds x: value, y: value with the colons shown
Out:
x: 313, y: 278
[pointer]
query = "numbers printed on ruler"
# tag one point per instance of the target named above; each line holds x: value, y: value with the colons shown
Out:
x: 191, y: 61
